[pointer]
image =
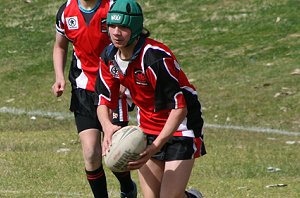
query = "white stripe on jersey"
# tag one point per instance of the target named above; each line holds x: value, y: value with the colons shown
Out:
x: 188, y: 133
x: 152, y: 72
x: 189, y: 89
x: 169, y: 70
x: 78, y: 62
x: 175, y: 99
x: 60, y: 30
x: 111, y: 2
x: 128, y: 98
x: 81, y: 81
x: 138, y: 117
x: 177, y: 65
x: 120, y: 106
x: 145, y: 50
x: 69, y: 1
x: 103, y: 81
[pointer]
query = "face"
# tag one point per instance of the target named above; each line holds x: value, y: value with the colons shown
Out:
x: 119, y: 35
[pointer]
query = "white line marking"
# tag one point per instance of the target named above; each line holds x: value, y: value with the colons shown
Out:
x: 60, y: 115
x: 50, y: 114
x: 253, y: 129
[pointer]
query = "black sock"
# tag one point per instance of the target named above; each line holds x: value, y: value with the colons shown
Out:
x: 125, y: 181
x: 97, y: 181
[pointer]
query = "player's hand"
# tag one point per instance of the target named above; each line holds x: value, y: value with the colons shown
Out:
x: 107, y: 139
x: 58, y: 88
x: 144, y: 157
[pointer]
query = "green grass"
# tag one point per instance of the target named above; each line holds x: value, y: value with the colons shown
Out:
x: 239, y: 55
x: 236, y: 165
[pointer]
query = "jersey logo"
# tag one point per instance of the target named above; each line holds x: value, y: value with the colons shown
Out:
x: 72, y: 23
x: 114, y: 71
x: 140, y: 78
x: 103, y: 25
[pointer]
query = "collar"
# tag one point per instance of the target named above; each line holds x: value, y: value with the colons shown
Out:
x: 112, y: 50
x: 89, y: 11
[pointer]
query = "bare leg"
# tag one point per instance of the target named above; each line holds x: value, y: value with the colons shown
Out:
x: 150, y: 176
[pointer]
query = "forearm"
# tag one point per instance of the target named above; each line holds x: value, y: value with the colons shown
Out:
x: 59, y: 61
x: 103, y: 113
x: 60, y: 51
x: 174, y: 120
x: 104, y: 116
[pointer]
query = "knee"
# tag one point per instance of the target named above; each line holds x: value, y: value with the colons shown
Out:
x: 92, y: 156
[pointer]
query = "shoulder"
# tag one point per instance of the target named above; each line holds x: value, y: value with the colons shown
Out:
x: 62, y: 8
x: 155, y: 51
x: 61, y: 11
x: 108, y: 53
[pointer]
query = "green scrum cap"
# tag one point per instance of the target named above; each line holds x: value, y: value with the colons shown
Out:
x: 127, y: 13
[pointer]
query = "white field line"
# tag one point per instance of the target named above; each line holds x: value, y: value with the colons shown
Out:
x: 60, y: 115
x: 253, y: 129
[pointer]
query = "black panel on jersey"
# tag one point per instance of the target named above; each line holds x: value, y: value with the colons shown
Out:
x: 59, y: 14
x: 153, y: 55
x: 74, y: 71
x: 194, y: 117
x: 166, y: 87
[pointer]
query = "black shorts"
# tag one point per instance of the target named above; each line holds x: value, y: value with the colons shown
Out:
x: 85, y: 111
x: 177, y: 148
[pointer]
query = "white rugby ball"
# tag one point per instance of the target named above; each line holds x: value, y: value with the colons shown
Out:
x: 127, y: 144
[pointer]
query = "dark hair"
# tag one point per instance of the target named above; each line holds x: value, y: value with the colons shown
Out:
x: 145, y: 32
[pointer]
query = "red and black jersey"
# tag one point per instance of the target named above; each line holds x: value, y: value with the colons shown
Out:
x: 156, y: 84
x: 88, y: 39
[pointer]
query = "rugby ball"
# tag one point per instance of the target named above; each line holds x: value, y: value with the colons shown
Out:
x: 127, y: 144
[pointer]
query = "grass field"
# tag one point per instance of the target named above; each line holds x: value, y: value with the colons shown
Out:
x: 243, y: 57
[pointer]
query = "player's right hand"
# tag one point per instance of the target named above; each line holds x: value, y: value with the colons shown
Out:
x: 58, y: 88
x: 107, y: 139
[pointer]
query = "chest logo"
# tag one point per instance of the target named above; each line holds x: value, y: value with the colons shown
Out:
x: 72, y: 23
x: 114, y: 71
x: 140, y: 78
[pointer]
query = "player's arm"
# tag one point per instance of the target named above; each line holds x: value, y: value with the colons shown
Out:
x: 60, y: 51
x: 174, y: 120
x: 104, y: 116
x: 107, y: 89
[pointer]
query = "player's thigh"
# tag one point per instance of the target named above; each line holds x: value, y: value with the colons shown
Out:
x: 176, y: 177
x: 150, y: 177
x: 88, y: 128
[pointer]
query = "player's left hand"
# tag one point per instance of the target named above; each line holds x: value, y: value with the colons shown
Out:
x: 144, y: 157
